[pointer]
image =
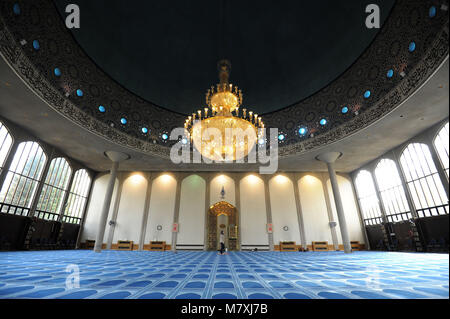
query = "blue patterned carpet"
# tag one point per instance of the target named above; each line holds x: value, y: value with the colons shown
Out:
x: 253, y: 275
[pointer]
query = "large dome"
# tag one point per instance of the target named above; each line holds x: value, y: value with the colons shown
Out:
x: 282, y: 52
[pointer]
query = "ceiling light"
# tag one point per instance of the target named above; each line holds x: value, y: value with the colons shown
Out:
x: 222, y: 101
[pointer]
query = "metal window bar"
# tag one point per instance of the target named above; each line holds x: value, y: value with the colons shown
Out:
x: 55, y: 187
x: 13, y: 209
x: 23, y: 174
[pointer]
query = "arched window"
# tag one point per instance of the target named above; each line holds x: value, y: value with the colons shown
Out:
x: 423, y: 181
x: 77, y: 197
x: 54, y: 189
x: 391, y: 191
x: 5, y: 144
x: 441, y: 145
x: 368, y: 199
x: 23, y: 177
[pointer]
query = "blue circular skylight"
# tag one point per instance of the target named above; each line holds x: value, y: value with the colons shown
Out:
x: 323, y: 122
x: 164, y: 136
x: 302, y: 130
x: 432, y: 12
x: 101, y: 108
x: 123, y: 120
x: 184, y: 141
x: 79, y: 92
x: 36, y: 45
x: 367, y: 94
x: 281, y: 137
x: 261, y: 141
x: 16, y: 9
x: 344, y: 110
x: 390, y: 73
x: 144, y: 130
x: 57, y: 72
x: 412, y: 47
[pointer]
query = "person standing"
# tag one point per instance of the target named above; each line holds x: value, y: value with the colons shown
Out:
x: 222, y: 242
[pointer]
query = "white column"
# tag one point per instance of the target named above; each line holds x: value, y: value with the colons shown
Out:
x: 116, y: 158
x: 237, y: 194
x: 145, y: 213
x: 329, y: 158
x: 268, y: 210
x: 331, y: 220
x: 301, y: 224
x: 176, y: 212
x: 115, y: 212
x: 207, y: 205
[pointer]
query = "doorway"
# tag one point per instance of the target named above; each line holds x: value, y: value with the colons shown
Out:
x: 222, y: 216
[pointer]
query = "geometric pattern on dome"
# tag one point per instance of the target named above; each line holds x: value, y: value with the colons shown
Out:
x: 409, y: 22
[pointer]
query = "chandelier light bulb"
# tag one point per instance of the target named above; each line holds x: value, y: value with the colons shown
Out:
x: 224, y: 100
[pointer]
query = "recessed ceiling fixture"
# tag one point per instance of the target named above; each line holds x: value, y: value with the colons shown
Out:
x: 432, y: 12
x: 16, y: 9
x: 36, y: 45
x: 302, y: 130
x: 390, y: 73
x: 222, y: 101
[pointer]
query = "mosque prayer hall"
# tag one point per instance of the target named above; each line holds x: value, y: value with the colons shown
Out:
x: 217, y: 154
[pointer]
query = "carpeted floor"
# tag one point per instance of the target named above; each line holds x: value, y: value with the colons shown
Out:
x: 253, y: 275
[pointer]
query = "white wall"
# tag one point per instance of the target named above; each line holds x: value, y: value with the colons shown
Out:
x: 95, y: 208
x: 350, y: 210
x: 216, y: 186
x: 192, y: 211
x: 253, y: 211
x: 314, y: 209
x: 284, y: 211
x: 252, y: 214
x: 162, y: 205
x: 131, y: 209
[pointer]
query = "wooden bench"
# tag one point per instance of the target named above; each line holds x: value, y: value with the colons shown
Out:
x: 320, y: 246
x: 125, y: 245
x: 355, y: 245
x: 89, y: 244
x: 288, y: 246
x: 156, y: 246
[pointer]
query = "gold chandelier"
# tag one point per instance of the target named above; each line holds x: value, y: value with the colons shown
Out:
x: 219, y: 121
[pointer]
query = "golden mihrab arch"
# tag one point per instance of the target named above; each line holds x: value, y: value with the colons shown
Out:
x: 223, y: 208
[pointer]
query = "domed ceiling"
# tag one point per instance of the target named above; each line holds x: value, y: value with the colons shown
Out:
x: 313, y: 70
x: 281, y: 51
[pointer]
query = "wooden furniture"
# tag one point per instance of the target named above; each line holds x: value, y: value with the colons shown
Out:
x: 125, y: 245
x: 288, y: 246
x: 355, y: 245
x: 320, y: 246
x: 157, y: 246
x: 90, y: 244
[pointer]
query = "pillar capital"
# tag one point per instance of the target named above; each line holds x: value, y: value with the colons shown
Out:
x: 116, y: 157
x: 329, y: 157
